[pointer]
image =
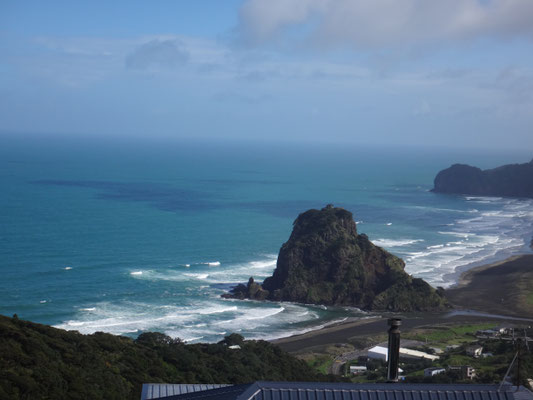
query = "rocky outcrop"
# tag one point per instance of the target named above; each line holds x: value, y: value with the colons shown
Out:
x: 325, y: 261
x: 252, y: 290
x: 513, y: 180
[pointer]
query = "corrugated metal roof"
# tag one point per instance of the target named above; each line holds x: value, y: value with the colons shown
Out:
x: 347, y: 391
x: 159, y: 390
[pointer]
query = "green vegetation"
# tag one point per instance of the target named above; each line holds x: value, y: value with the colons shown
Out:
x: 321, y: 364
x: 529, y: 298
x: 448, y: 335
x: 41, y: 362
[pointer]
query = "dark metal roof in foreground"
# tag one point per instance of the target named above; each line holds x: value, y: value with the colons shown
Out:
x: 162, y: 390
x: 348, y: 391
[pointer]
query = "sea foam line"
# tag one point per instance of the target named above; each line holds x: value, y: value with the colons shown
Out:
x: 382, y: 242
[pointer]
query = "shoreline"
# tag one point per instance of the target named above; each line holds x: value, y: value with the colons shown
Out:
x: 472, y: 299
x: 503, y: 287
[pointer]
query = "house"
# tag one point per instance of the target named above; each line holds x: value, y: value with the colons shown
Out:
x: 488, y: 333
x: 434, y: 371
x: 378, y: 353
x: 506, y: 331
x: 324, y: 391
x: 465, y: 371
x: 474, y: 351
x: 381, y: 353
x: 357, y: 369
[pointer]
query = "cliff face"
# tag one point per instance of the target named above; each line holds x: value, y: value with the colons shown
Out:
x: 326, y: 262
x: 514, y: 180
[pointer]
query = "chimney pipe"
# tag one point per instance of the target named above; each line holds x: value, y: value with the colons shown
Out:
x: 394, y: 349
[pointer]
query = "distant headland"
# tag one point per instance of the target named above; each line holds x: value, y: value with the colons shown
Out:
x: 513, y: 180
x: 325, y: 261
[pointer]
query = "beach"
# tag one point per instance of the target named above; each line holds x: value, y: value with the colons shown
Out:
x: 473, y: 300
x: 504, y: 288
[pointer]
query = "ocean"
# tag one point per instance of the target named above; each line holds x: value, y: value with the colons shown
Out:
x: 131, y: 236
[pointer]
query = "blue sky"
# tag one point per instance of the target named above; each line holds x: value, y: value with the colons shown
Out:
x: 457, y: 73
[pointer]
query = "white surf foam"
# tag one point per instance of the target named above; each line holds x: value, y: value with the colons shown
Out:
x: 136, y: 273
x: 67, y: 268
x: 196, y: 276
x: 217, y: 309
x: 494, y: 233
x: 382, y: 242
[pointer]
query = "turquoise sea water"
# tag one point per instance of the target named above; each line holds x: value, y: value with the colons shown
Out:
x: 105, y: 235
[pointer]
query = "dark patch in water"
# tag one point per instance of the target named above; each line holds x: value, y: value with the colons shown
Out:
x: 162, y: 197
x: 245, y: 181
x: 168, y: 198
x: 284, y: 209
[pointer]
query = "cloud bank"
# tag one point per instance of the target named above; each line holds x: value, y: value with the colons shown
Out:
x: 383, y: 23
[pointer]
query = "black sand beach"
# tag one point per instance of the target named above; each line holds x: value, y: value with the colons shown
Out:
x: 480, y: 289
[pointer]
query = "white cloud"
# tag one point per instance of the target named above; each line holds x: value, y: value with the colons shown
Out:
x: 384, y: 23
x: 162, y: 53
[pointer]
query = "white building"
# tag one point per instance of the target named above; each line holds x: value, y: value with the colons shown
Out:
x: 381, y: 353
x: 357, y: 369
x: 474, y: 351
x: 378, y: 353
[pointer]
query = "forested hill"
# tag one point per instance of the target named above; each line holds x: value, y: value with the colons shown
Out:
x: 513, y: 180
x: 38, y: 362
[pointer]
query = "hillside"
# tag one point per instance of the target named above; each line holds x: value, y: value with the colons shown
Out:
x: 41, y: 362
x: 325, y: 261
x: 513, y: 180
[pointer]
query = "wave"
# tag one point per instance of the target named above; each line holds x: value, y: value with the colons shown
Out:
x: 67, y: 268
x: 483, y: 198
x: 217, y: 310
x: 446, y: 210
x: 136, y: 273
x: 196, y: 276
x: 395, y: 242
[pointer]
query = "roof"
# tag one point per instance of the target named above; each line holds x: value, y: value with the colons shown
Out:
x: 161, y: 390
x: 349, y: 391
x: 403, y: 352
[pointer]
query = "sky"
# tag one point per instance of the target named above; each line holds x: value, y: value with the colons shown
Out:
x: 454, y: 73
